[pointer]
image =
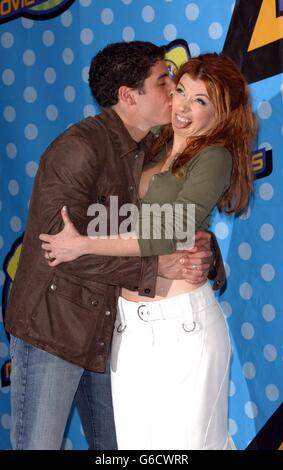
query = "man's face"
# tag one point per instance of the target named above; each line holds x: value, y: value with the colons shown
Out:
x: 154, y: 101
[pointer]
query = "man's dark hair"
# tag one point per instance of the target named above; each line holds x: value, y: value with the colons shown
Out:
x: 120, y: 64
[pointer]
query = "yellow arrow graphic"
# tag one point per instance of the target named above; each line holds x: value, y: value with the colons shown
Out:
x: 268, y: 28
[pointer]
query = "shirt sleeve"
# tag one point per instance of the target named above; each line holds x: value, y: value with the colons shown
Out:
x: 207, y: 178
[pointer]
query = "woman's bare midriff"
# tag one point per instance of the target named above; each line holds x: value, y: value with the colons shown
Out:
x: 164, y: 288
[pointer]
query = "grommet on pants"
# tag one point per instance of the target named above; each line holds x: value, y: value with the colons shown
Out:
x: 170, y: 373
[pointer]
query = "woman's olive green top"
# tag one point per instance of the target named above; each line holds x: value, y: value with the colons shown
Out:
x: 174, y: 208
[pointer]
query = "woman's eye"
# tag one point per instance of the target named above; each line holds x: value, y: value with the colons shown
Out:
x: 200, y: 101
x: 179, y: 90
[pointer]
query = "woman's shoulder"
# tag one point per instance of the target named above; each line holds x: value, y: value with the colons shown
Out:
x: 212, y: 155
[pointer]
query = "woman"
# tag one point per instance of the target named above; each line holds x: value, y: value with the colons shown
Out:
x: 170, y: 355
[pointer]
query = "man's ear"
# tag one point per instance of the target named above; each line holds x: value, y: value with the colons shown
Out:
x: 126, y: 95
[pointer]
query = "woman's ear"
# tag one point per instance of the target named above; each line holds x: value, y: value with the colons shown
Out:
x: 126, y: 95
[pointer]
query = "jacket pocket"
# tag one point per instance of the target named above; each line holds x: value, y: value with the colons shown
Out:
x: 66, y: 318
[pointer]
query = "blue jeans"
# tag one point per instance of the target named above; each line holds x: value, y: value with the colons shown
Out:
x: 43, y: 388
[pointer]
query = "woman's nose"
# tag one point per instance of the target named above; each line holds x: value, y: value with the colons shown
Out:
x: 185, y: 105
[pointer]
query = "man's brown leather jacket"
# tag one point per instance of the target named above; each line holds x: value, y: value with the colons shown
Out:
x: 69, y: 310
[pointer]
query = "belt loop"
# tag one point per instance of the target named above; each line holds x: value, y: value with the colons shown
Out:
x: 123, y: 324
x: 188, y: 320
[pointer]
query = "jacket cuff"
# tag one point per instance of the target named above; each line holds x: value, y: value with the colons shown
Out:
x: 217, y: 270
x: 149, y: 271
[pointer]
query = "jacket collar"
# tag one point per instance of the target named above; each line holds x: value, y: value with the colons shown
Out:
x: 123, y: 142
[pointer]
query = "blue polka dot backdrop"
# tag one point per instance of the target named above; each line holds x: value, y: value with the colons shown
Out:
x: 43, y: 82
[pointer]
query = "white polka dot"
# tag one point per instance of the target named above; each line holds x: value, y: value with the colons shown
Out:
x: 2, y: 278
x: 215, y: 30
x: 249, y: 370
x: 48, y: 38
x: 15, y: 223
x: 194, y: 49
x: 226, y: 307
x: 9, y: 114
x: 66, y: 19
x: 128, y: 34
x: 69, y: 94
x: 264, y: 110
x: 6, y: 421
x: 13, y: 187
x: 270, y: 352
x: 89, y: 110
x: 148, y: 14
x: 86, y: 36
x: 246, y: 215
x: 50, y: 75
x: 227, y: 269
x: 245, y: 251
x: 29, y: 57
x: 1, y: 242
x: 266, y: 191
x: 267, y: 272
x: 233, y: 427
x: 272, y: 392
x: 31, y: 168
x: 27, y: 23
x: 192, y: 11
x: 8, y: 77
x: 246, y: 291
x: 170, y: 32
x: 11, y: 150
x: 247, y: 330
x: 7, y: 40
x: 4, y: 350
x: 251, y: 409
x: 85, y: 3
x: 31, y: 131
x: 268, y: 312
x: 221, y: 230
x: 68, y: 56
x: 127, y: 2
x: 232, y: 389
x: 67, y: 444
x: 51, y: 112
x: 30, y: 94
x: 107, y: 16
x: 85, y: 74
x: 266, y: 232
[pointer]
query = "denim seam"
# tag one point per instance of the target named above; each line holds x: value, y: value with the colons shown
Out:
x: 19, y: 444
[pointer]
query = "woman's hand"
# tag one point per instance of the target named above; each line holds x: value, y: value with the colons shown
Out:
x: 65, y: 245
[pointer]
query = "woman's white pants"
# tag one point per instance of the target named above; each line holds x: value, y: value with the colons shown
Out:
x: 170, y: 373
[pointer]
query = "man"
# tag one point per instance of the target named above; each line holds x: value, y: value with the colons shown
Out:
x: 61, y: 319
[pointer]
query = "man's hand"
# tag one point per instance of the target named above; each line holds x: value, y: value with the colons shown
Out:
x: 192, y: 265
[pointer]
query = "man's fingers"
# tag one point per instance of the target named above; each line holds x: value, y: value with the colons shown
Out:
x: 202, y: 236
x: 45, y: 246
x: 44, y: 237
x: 65, y: 215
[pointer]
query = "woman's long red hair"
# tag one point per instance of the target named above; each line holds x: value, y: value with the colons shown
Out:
x: 234, y: 128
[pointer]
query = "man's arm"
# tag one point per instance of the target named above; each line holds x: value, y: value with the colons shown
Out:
x: 69, y: 171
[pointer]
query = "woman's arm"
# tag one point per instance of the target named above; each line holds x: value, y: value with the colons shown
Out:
x: 68, y: 244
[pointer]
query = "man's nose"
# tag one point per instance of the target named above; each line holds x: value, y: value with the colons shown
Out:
x: 171, y: 88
